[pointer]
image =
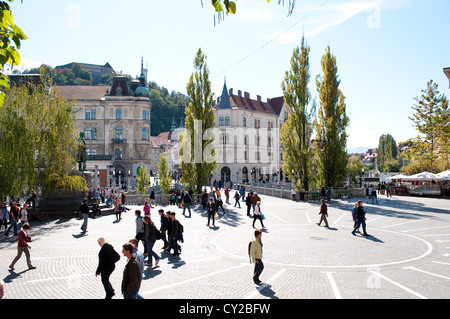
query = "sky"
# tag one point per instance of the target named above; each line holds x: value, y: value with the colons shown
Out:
x: 386, y: 50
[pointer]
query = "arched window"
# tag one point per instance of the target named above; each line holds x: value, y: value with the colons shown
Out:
x: 221, y: 122
x: 119, y: 133
x: 227, y: 121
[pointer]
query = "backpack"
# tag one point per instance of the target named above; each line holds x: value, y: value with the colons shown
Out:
x: 157, y: 234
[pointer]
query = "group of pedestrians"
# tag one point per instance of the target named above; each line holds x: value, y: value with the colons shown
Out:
x: 16, y: 216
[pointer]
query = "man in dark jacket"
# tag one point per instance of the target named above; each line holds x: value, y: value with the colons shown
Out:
x: 84, y: 211
x: 107, y: 258
x: 164, y: 222
x: 248, y: 202
x: 131, y: 282
x: 360, y: 219
x: 187, y: 202
x: 175, y: 225
x: 211, y: 209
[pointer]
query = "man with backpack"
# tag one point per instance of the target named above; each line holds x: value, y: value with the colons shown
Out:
x: 255, y: 253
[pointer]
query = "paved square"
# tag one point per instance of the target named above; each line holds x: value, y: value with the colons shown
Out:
x: 406, y: 256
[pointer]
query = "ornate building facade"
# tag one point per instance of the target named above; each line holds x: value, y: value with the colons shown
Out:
x: 116, y: 123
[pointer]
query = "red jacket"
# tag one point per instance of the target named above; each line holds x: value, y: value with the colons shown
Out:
x: 23, y: 239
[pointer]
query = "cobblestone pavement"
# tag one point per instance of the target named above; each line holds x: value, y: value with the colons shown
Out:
x: 407, y: 254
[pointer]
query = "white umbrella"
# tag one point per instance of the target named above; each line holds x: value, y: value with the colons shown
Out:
x: 424, y: 176
x: 445, y: 175
x: 398, y: 176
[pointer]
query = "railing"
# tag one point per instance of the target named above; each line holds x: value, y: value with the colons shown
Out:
x: 280, y: 191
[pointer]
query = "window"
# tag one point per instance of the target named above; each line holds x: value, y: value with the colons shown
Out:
x: 87, y: 133
x: 87, y: 114
x: 93, y: 114
x: 257, y: 123
x: 118, y: 133
x: 118, y: 114
x: 144, y: 133
x: 93, y: 133
x: 221, y: 123
x: 244, y: 121
x: 145, y: 115
x: 227, y: 120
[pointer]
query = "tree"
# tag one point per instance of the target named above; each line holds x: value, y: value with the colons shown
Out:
x: 227, y: 6
x: 163, y: 173
x: 431, y: 119
x: 354, y: 168
x: 387, y: 153
x: 143, y: 180
x: 297, y: 131
x: 330, y: 125
x: 9, y: 53
x: 38, y: 141
x: 197, y: 155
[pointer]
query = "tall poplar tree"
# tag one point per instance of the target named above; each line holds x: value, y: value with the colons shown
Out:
x: 297, y: 131
x: 386, y: 153
x: 331, y: 125
x: 197, y: 155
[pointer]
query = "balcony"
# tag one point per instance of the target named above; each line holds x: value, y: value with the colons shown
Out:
x: 119, y: 141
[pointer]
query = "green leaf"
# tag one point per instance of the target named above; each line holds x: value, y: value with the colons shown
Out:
x: 217, y: 5
x: 231, y: 7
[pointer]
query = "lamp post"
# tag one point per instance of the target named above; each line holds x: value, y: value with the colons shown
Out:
x: 129, y: 183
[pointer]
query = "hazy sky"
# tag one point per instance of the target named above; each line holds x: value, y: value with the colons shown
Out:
x: 386, y: 50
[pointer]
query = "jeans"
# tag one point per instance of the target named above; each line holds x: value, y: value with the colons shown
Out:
x: 130, y: 295
x: 259, y: 267
x: 12, y: 225
x: 359, y: 223
x: 150, y: 252
x: 188, y: 206
x: 106, y: 284
x: 85, y: 222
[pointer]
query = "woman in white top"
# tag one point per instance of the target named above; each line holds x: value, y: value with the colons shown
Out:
x: 257, y: 214
x: 24, y: 214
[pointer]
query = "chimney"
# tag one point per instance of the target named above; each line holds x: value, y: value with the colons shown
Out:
x: 246, y: 95
x: 258, y: 97
x: 230, y: 92
x: 239, y: 92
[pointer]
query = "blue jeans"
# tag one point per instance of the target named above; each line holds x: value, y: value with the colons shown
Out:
x: 359, y: 223
x: 150, y: 252
x: 85, y: 222
x: 12, y: 225
x: 130, y: 295
x: 188, y: 206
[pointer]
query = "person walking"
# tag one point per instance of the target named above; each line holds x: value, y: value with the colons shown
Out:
x: 219, y: 203
x: 13, y: 218
x: 140, y: 229
x: 187, y: 203
x: 84, y: 211
x: 354, y: 209
x: 132, y: 278
x: 4, y: 214
x: 147, y: 209
x: 164, y: 224
x: 323, y: 213
x: 24, y: 214
x: 255, y: 199
x: 237, y: 197
x: 107, y: 258
x: 248, y: 202
x: 360, y: 219
x: 150, y: 240
x: 23, y: 247
x: 257, y: 214
x: 256, y: 249
x: 175, y: 226
x: 117, y: 209
x: 211, y: 210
